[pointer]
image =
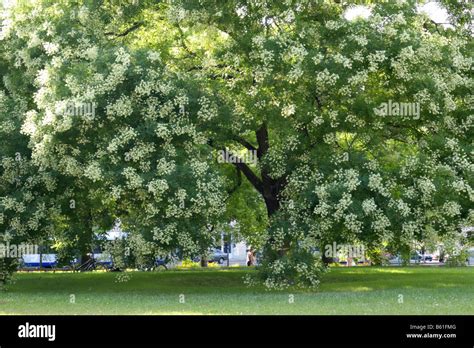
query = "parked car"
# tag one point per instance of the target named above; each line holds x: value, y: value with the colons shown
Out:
x: 218, y: 256
x: 214, y: 255
x: 398, y: 260
x: 427, y: 258
x: 415, y: 257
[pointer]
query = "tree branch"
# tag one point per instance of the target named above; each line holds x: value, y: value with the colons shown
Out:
x: 249, y: 174
x: 262, y: 139
x: 135, y: 26
x: 242, y: 167
x: 244, y: 143
x: 183, y: 42
x: 237, y: 185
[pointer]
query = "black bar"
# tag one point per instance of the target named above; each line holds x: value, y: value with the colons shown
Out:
x: 246, y: 330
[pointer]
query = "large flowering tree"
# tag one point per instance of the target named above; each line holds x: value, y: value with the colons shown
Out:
x: 26, y: 208
x: 304, y: 86
x: 117, y: 126
x: 174, y: 85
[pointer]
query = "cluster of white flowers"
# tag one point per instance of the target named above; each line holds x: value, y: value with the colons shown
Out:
x: 144, y: 88
x: 461, y: 186
x: 332, y: 115
x: 42, y: 77
x: 124, y: 136
x: 122, y: 62
x: 295, y: 73
x: 154, y: 56
x: 68, y: 164
x: 133, y: 178
x: 318, y: 58
x: 122, y: 277
x: 122, y: 107
x: 116, y: 192
x: 164, y: 167
x: 51, y: 48
x: 276, y: 157
x: 295, y: 56
x: 374, y: 60
x: 176, y: 13
x: 376, y: 184
x: 317, y: 119
x: 158, y: 186
x: 324, y: 79
x: 452, y: 209
x: 353, y: 224
x: 330, y: 138
x: 408, y: 231
x: 349, y: 178
x: 186, y: 241
x: 294, y: 53
x: 9, y: 203
x: 278, y: 237
x: 263, y: 57
x: 358, y: 56
x: 162, y: 131
x: 368, y: 206
x: 380, y: 223
x: 323, y: 209
x: 334, y: 25
x: 359, y: 78
x: 288, y: 110
x: 165, y: 235
x: 139, y: 152
x: 342, y: 205
x: 208, y: 110
x: 93, y: 171
x: 198, y: 167
x: 426, y: 186
x: 403, y: 208
x: 345, y: 61
x: 91, y: 53
x: 181, y: 195
x: 361, y: 40
x: 275, y: 284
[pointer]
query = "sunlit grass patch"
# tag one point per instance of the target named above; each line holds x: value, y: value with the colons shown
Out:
x: 348, y: 290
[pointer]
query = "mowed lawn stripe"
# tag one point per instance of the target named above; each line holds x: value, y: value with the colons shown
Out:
x: 351, y: 290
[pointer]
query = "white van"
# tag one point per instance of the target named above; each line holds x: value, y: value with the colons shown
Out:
x: 470, y: 257
x: 33, y: 260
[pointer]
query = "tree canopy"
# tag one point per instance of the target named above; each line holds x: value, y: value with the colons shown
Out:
x: 171, y: 86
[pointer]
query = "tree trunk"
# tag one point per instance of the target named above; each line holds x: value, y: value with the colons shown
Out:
x: 272, y: 201
x: 204, y: 261
x: 326, y: 260
x: 85, y: 239
x: 85, y: 257
x: 270, y: 188
x: 41, y: 257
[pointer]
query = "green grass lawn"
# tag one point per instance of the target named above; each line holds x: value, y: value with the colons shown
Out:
x: 354, y: 290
